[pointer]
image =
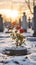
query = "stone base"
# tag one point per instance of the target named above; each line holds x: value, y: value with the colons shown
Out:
x: 16, y: 51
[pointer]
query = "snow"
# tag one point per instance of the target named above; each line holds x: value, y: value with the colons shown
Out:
x: 17, y: 48
x: 6, y: 42
x: 32, y: 57
x: 28, y: 33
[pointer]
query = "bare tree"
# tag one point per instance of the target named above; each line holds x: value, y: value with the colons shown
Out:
x: 28, y: 4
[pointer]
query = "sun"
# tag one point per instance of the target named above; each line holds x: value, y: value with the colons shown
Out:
x: 14, y: 14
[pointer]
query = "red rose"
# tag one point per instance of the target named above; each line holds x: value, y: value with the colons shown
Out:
x: 18, y: 27
x: 14, y: 23
x: 21, y: 30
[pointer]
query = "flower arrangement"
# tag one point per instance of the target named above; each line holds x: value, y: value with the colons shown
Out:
x: 20, y: 39
x: 17, y: 35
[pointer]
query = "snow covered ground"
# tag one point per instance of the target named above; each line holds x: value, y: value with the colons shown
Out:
x: 5, y: 42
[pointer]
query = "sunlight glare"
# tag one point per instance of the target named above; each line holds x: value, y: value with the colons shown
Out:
x: 14, y: 13
x: 10, y: 13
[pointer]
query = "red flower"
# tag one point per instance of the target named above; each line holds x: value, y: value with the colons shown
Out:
x: 21, y: 30
x: 18, y: 27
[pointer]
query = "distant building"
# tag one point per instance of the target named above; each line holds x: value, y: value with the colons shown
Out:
x: 24, y: 22
x: 1, y: 24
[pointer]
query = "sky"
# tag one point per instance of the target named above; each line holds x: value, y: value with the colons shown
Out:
x: 9, y: 5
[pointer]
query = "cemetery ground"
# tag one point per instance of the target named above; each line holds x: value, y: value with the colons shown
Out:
x: 7, y: 42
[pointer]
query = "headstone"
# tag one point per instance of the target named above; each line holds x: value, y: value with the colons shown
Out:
x: 29, y: 23
x: 20, y: 22
x: 24, y: 22
x: 1, y: 24
x: 34, y: 21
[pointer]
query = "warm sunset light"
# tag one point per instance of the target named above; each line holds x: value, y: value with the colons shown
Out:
x: 14, y: 13
x: 10, y: 13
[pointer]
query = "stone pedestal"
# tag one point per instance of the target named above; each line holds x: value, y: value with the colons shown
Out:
x: 15, y: 51
x: 34, y: 21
